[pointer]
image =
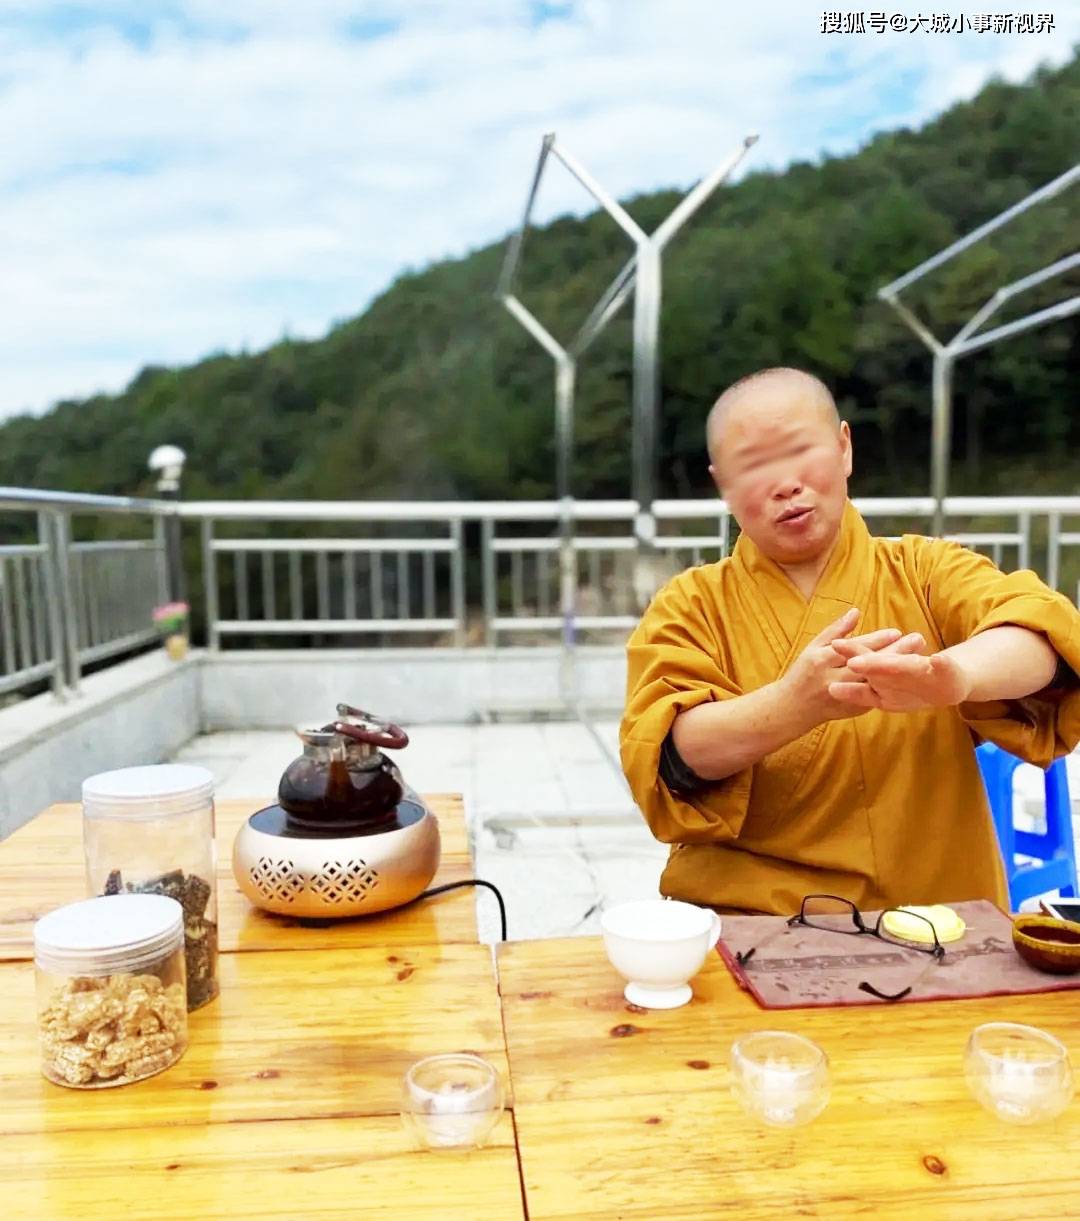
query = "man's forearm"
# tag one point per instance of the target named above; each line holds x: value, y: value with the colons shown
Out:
x: 1006, y: 663
x: 721, y: 738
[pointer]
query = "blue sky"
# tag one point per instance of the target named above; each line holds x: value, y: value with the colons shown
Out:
x: 187, y: 176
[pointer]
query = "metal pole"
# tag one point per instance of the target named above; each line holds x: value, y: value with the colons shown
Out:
x: 646, y: 375
x: 210, y: 584
x: 491, y: 604
x: 646, y: 411
x: 168, y: 462
x: 513, y: 251
x: 48, y: 538
x: 1053, y: 548
x: 1052, y: 313
x: 941, y: 437
x: 62, y: 528
x: 174, y: 565
x: 178, y: 578
x: 1011, y: 290
x: 161, y: 555
x: 565, y: 372
x: 565, y: 376
x: 457, y: 580
x: 1023, y: 520
x: 606, y: 308
x: 608, y: 202
x: 565, y: 381
x: 690, y: 202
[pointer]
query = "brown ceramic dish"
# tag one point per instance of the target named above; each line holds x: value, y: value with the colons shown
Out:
x: 1047, y: 943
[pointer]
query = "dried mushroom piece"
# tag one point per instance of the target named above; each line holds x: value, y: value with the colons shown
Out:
x: 200, y: 935
x: 170, y: 884
x: 196, y: 896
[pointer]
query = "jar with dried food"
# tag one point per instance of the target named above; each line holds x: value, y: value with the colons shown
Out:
x: 150, y: 830
x: 111, y: 993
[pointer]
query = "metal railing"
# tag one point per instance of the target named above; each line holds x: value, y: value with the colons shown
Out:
x: 385, y: 573
x: 386, y: 584
x: 401, y: 573
x: 66, y: 604
x: 520, y: 546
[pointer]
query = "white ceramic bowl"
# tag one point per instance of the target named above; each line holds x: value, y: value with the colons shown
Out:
x: 656, y: 945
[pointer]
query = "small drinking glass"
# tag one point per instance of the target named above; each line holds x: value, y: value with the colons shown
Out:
x: 451, y: 1101
x: 779, y: 1078
x: 1018, y: 1073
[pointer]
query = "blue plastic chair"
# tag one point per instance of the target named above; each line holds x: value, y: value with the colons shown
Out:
x: 1054, y: 866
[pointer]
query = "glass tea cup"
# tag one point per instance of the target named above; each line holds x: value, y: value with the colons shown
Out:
x: 451, y: 1101
x: 780, y: 1079
x: 1020, y: 1074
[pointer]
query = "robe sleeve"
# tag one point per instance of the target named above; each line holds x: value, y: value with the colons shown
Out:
x: 967, y: 594
x: 672, y: 665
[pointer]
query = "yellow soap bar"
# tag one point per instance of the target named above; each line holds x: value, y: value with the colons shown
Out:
x: 903, y: 922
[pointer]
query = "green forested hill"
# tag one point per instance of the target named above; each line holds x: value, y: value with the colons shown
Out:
x: 435, y: 392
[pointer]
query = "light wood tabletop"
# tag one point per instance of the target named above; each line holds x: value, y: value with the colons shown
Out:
x: 293, y: 1035
x: 628, y: 1113
x: 41, y: 867
x: 296, y: 1170
x: 284, y: 1105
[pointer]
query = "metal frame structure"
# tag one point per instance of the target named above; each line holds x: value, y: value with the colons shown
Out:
x: 966, y: 340
x: 642, y: 275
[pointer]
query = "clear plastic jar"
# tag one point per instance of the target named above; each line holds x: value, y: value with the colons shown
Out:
x: 150, y: 830
x: 111, y: 993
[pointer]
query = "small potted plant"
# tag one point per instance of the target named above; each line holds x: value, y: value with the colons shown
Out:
x: 171, y: 620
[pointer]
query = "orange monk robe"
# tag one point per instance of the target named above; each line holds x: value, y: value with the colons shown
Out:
x: 883, y: 808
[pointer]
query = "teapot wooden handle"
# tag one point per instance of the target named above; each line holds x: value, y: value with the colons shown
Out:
x: 376, y: 733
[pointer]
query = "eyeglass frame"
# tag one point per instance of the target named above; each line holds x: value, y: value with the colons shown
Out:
x: 937, y: 950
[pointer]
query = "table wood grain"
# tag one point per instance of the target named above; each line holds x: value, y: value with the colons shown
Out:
x: 284, y: 1105
x: 627, y: 1113
x: 301, y: 1170
x: 293, y: 1035
x: 41, y: 867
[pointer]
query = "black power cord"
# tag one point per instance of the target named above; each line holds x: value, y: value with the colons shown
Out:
x: 438, y: 890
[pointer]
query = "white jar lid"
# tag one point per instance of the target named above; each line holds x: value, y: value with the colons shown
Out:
x: 147, y: 792
x: 109, y: 934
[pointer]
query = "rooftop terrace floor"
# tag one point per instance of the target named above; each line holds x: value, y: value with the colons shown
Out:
x: 550, y: 819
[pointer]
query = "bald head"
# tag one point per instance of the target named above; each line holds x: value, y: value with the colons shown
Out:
x: 769, y: 388
x: 780, y: 456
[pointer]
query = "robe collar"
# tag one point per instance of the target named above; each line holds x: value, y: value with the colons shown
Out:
x: 790, y: 621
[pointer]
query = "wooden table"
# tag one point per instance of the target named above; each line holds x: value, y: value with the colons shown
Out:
x: 627, y: 1113
x: 41, y: 867
x: 285, y: 1104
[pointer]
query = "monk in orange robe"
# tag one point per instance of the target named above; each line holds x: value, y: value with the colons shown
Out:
x: 779, y: 753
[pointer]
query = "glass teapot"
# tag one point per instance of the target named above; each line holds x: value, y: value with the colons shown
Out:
x: 343, y: 782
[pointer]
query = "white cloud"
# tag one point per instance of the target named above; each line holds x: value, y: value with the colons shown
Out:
x: 226, y: 172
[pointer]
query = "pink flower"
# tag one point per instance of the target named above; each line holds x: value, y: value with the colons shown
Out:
x: 172, y: 616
